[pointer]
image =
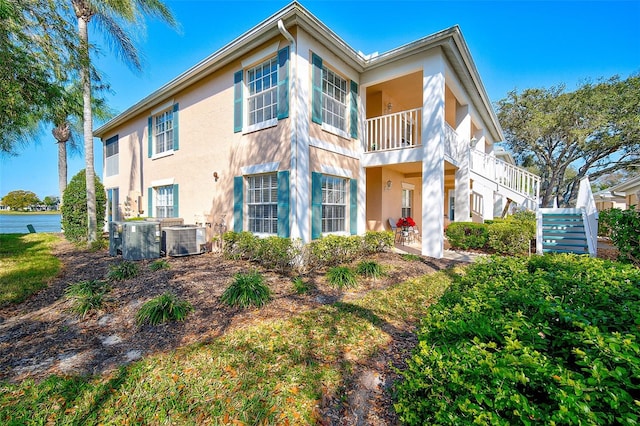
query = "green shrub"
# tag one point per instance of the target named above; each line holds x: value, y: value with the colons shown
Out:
x: 300, y: 286
x: 275, y: 253
x: 246, y: 290
x: 467, y: 235
x: 341, y: 277
x: 623, y: 226
x: 74, y: 207
x: 159, y: 264
x: 377, y: 242
x: 410, y: 257
x: 508, y: 238
x: 241, y: 245
x: 526, y: 220
x: 123, y: 271
x: 164, y: 308
x: 369, y: 268
x: 86, y: 296
x: 333, y: 250
x: 548, y: 339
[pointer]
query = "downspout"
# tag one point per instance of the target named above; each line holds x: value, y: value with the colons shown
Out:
x: 293, y: 113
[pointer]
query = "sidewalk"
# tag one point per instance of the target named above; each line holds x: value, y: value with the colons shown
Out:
x: 414, y: 248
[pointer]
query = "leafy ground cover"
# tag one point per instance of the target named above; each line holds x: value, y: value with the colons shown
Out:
x: 551, y: 339
x: 26, y: 265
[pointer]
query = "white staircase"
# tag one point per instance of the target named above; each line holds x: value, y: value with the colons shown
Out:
x: 569, y: 230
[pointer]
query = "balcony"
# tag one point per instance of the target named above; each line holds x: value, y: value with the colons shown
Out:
x: 394, y: 131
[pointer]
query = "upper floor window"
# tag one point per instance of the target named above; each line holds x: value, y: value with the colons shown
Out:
x: 262, y: 82
x: 163, y: 132
x: 262, y: 203
x: 334, y: 99
x: 111, y: 149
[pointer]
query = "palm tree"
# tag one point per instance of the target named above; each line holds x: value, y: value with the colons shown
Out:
x: 112, y: 16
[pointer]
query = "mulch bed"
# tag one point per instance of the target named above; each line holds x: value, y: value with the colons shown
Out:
x: 40, y: 336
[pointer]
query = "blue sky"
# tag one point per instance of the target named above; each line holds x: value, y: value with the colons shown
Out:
x: 515, y: 45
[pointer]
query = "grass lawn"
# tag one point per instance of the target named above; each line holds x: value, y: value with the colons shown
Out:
x: 272, y: 373
x: 26, y: 264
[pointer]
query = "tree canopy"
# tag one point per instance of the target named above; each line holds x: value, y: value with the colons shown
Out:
x: 594, y: 131
x: 20, y: 199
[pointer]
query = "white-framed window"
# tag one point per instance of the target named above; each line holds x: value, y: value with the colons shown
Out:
x: 112, y: 150
x: 407, y: 202
x: 262, y: 82
x: 163, y: 132
x: 164, y: 201
x: 334, y: 204
x: 262, y: 203
x: 334, y: 100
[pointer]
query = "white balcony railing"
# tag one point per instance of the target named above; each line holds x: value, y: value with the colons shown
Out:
x: 505, y: 174
x: 393, y: 131
x: 454, y: 146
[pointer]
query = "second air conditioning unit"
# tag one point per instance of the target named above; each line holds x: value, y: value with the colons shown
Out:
x: 184, y: 240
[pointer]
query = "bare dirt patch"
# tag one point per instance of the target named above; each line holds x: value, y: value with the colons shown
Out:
x: 41, y: 336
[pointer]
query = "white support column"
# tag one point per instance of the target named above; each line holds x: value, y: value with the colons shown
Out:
x: 362, y: 177
x: 433, y: 96
x: 300, y: 202
x: 463, y: 184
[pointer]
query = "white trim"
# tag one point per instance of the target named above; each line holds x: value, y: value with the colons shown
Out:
x: 318, y: 143
x: 330, y: 129
x: 162, y: 154
x: 259, y: 126
x: 162, y: 182
x: 336, y: 171
x: 260, y: 55
x: 260, y: 168
x: 157, y: 110
x: 410, y: 186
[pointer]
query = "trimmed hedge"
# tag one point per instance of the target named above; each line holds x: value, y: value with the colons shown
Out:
x: 74, y: 207
x: 468, y: 235
x: 623, y: 226
x: 551, y: 339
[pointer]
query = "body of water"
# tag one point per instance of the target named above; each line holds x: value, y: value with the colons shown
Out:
x: 17, y: 224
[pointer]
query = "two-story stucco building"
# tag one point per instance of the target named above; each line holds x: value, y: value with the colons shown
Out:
x: 289, y: 131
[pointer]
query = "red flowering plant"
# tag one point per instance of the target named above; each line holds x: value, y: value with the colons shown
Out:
x: 405, y: 222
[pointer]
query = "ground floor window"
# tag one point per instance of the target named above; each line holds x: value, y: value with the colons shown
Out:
x: 262, y: 203
x: 334, y: 204
x: 407, y: 202
x: 164, y: 201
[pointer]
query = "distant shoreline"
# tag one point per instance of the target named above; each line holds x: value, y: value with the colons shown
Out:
x: 14, y: 213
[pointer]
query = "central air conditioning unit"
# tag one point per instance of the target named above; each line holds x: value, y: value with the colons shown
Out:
x: 184, y: 240
x: 115, y: 238
x: 140, y: 240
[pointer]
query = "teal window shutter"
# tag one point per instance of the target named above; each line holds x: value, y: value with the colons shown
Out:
x: 353, y: 206
x: 316, y: 94
x: 283, y: 204
x: 283, y: 83
x: 237, y: 101
x: 176, y: 201
x: 316, y: 205
x: 150, y: 202
x: 354, y: 110
x: 176, y: 128
x: 238, y: 188
x: 150, y: 138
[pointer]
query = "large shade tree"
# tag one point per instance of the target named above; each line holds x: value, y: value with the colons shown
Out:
x: 37, y: 50
x: 592, y: 131
x: 115, y: 19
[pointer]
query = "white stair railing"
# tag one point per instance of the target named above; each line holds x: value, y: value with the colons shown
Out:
x: 505, y: 174
x: 587, y: 204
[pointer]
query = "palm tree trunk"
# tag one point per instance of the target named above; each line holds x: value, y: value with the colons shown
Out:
x: 62, y: 133
x: 92, y: 226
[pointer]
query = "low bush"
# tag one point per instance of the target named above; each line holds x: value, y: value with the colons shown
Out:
x: 333, y: 250
x: 164, y: 308
x: 246, y: 290
x: 377, y: 242
x: 623, y: 226
x: 467, y: 235
x: 123, y: 271
x: 508, y: 238
x: 86, y: 296
x: 548, y: 339
x: 300, y: 286
x: 159, y: 264
x: 410, y: 257
x: 341, y: 277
